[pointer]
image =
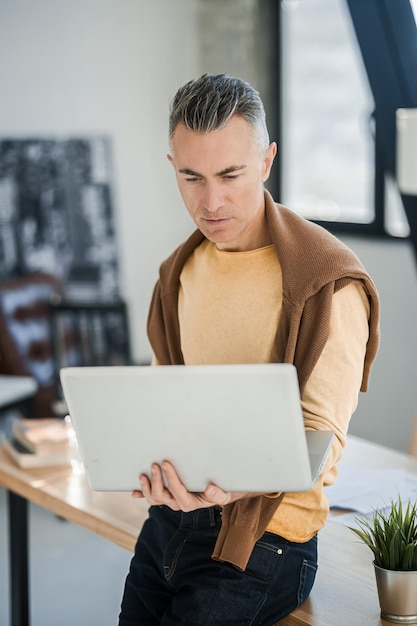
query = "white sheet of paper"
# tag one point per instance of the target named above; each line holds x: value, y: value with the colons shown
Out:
x: 362, y: 490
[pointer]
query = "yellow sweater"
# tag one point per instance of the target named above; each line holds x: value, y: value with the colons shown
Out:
x: 315, y: 266
x: 221, y: 322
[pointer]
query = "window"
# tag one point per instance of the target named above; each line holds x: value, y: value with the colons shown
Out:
x: 331, y: 172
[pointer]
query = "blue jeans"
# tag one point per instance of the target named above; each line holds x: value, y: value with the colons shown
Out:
x: 173, y: 580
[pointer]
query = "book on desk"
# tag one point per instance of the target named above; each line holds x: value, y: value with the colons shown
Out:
x: 40, y: 442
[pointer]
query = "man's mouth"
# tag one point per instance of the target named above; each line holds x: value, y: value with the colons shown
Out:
x: 216, y: 220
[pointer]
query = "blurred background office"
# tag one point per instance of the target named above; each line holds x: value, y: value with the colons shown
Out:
x: 102, y: 72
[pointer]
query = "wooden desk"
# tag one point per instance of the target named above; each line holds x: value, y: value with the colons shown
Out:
x: 114, y: 516
x: 344, y: 592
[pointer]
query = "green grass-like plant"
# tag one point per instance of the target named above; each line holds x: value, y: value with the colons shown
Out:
x: 391, y: 534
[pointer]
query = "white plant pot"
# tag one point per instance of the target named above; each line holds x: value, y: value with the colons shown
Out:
x: 397, y: 593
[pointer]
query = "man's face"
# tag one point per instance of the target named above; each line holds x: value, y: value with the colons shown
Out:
x: 220, y: 175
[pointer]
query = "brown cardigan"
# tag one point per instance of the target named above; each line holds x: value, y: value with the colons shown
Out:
x: 315, y: 265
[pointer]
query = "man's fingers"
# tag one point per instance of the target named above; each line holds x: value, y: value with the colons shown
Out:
x: 173, y: 481
x: 184, y: 498
x: 154, y: 489
x: 173, y: 493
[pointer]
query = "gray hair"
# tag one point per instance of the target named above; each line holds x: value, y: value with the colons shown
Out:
x: 208, y: 103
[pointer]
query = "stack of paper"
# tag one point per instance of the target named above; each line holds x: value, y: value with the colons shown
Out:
x: 359, y: 491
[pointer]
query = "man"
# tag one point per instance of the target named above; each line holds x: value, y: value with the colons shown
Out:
x: 254, y: 283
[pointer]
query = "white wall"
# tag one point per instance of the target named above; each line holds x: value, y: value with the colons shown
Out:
x: 386, y: 412
x: 112, y: 66
x: 107, y: 66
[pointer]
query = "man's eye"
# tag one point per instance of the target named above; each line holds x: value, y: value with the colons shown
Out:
x: 192, y: 179
x: 231, y: 176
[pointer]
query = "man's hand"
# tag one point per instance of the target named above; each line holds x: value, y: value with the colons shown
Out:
x: 175, y: 494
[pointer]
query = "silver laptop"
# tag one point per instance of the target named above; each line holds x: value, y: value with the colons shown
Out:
x: 237, y: 426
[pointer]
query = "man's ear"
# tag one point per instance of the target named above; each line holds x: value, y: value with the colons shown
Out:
x: 268, y: 160
x: 170, y: 159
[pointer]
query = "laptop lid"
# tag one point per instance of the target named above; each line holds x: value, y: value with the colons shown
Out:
x: 238, y: 426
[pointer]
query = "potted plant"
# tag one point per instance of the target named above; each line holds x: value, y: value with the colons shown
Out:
x: 391, y: 534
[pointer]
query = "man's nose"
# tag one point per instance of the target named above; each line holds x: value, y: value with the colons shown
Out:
x: 213, y: 197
